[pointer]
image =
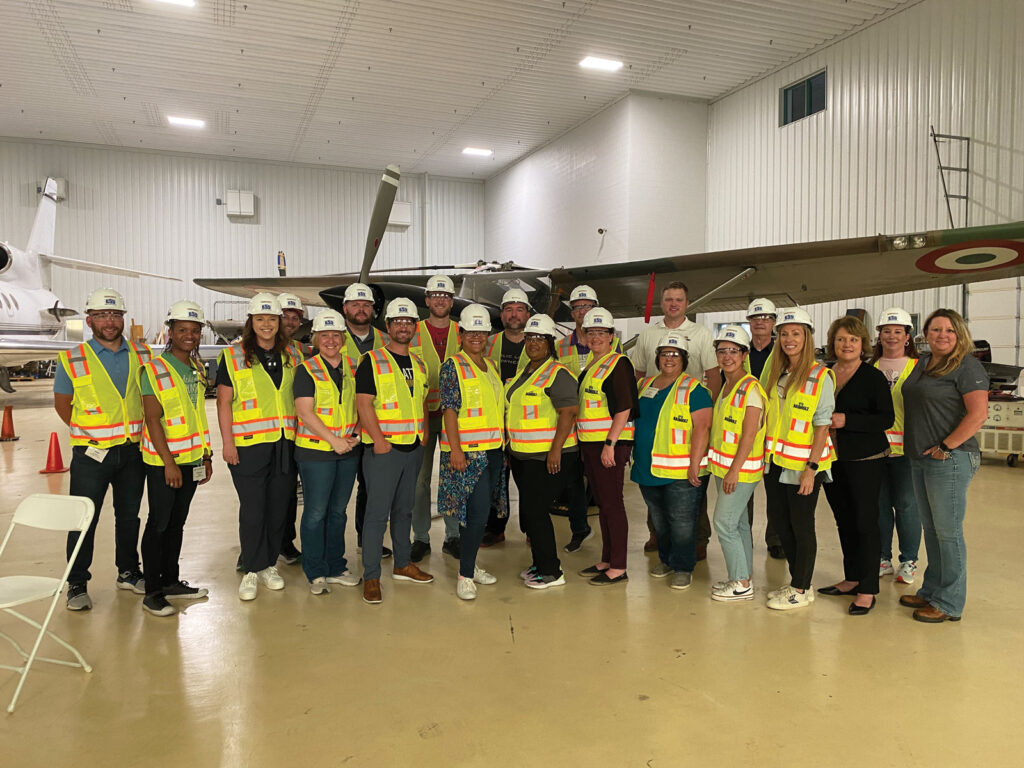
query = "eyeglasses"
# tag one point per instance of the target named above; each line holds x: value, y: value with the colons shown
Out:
x: 727, y: 351
x: 582, y: 307
x: 106, y: 315
x: 536, y: 338
x: 439, y: 295
x: 402, y: 321
x: 669, y: 353
x: 761, y: 317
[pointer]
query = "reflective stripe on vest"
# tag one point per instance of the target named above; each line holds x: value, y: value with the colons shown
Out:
x: 259, y: 410
x: 594, y: 419
x: 532, y: 419
x: 184, y: 422
x: 480, y: 416
x: 790, y: 433
x: 727, y: 428
x: 99, y: 415
x: 336, y: 410
x: 895, y: 433
x: 428, y: 354
x: 673, y: 434
x: 297, y: 352
x: 399, y: 411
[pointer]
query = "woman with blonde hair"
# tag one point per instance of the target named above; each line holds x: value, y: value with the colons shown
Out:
x: 946, y: 400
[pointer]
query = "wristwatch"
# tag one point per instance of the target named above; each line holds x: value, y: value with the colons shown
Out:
x: 609, y: 441
x: 813, y: 465
x: 944, y: 448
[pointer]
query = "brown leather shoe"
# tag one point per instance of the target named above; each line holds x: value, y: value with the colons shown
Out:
x: 913, y: 601
x: 371, y: 592
x: 932, y: 615
x: 652, y: 544
x: 702, y: 552
x: 411, y: 572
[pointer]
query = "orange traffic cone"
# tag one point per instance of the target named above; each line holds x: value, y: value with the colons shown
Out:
x: 7, y: 433
x: 54, y: 461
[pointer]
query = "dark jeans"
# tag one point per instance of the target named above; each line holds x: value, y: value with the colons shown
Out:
x: 539, y: 490
x: 897, y: 507
x: 853, y: 496
x: 391, y: 493
x: 264, y: 479
x: 326, y: 489
x: 161, y: 541
x: 123, y: 470
x: 607, y: 485
x: 495, y: 524
x: 771, y: 538
x: 674, y: 509
x: 478, y: 507
x: 792, y: 517
x: 576, y: 496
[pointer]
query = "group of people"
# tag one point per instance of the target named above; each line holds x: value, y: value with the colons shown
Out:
x: 890, y: 436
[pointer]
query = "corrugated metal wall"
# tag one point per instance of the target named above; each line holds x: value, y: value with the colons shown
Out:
x: 157, y: 212
x: 867, y: 164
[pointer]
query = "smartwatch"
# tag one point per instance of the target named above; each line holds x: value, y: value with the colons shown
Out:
x: 610, y: 442
x: 812, y: 465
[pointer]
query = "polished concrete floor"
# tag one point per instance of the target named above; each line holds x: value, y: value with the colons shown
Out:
x: 639, y: 675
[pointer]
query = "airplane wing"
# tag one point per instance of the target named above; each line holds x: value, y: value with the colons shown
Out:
x: 14, y: 352
x: 306, y: 288
x: 93, y: 266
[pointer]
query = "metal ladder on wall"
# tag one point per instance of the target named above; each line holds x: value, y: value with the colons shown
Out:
x: 959, y: 175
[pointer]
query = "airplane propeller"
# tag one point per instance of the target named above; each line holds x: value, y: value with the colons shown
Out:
x: 379, y: 217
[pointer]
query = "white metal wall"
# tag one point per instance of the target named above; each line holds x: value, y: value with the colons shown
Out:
x: 157, y: 212
x: 866, y: 164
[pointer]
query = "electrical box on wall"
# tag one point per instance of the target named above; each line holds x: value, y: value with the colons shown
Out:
x: 401, y: 214
x: 241, y: 203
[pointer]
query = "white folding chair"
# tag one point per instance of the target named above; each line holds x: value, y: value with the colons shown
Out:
x: 54, y: 513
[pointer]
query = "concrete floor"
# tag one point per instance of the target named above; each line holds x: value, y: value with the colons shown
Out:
x: 575, y: 676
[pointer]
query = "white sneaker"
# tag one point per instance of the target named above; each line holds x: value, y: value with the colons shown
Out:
x: 907, y: 571
x: 318, y: 586
x: 793, y: 600
x: 346, y: 579
x: 270, y: 578
x: 885, y: 568
x: 466, y: 590
x: 480, y: 576
x: 782, y: 591
x: 249, y: 586
x: 720, y: 585
x: 734, y: 590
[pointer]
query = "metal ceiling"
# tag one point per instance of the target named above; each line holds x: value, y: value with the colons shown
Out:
x: 363, y: 83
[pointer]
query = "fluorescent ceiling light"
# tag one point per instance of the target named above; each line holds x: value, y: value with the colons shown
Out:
x: 478, y: 152
x: 186, y: 3
x: 605, y: 65
x: 186, y: 122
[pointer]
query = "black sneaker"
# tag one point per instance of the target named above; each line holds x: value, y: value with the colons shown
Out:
x: 777, y: 552
x: 78, y: 598
x: 577, y: 540
x: 420, y: 549
x: 290, y: 554
x: 452, y: 548
x: 385, y: 553
x: 133, y: 580
x: 157, y: 605
x: 182, y: 591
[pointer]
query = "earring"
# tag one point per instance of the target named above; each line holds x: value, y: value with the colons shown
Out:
x: 906, y: 343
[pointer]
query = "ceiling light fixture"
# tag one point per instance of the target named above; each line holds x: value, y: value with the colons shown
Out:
x: 605, y: 65
x: 186, y: 122
x: 186, y: 3
x: 477, y: 152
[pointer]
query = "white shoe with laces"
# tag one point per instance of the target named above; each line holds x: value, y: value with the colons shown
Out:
x: 480, y: 576
x: 733, y: 590
x: 270, y: 578
x: 346, y: 579
x: 249, y: 587
x: 790, y: 601
x: 466, y: 589
x: 885, y: 568
x: 318, y: 586
x: 906, y: 572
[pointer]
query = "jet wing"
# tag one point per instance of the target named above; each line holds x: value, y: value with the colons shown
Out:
x: 15, y: 352
x: 306, y: 288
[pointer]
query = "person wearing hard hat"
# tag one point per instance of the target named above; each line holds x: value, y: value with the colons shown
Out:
x: 801, y: 398
x: 671, y: 451
x: 435, y: 340
x: 96, y: 393
x: 607, y: 407
x: 572, y: 350
x: 895, y: 355
x: 736, y: 460
x: 541, y: 418
x: 177, y: 453
x: 391, y: 394
x: 325, y: 442
x: 472, y: 444
x: 292, y: 316
x: 256, y: 415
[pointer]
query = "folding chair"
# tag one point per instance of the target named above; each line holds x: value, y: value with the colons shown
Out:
x: 54, y: 513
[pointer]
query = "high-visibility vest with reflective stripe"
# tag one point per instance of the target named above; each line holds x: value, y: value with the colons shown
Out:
x: 399, y: 411
x: 727, y: 428
x: 895, y: 432
x: 428, y: 354
x: 493, y: 351
x: 532, y: 418
x: 337, y: 410
x: 594, y: 420
x: 297, y: 352
x: 184, y: 422
x: 481, y: 417
x: 569, y: 355
x: 352, y: 351
x: 260, y: 412
x: 673, y: 434
x: 99, y: 415
x: 790, y: 430
x: 763, y: 378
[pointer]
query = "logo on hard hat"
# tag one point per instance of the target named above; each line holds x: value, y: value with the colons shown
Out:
x: 265, y: 306
x: 892, y: 318
x: 193, y: 313
x: 110, y: 300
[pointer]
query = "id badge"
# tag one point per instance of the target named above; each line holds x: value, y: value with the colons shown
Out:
x: 96, y: 454
x: 199, y: 473
x: 650, y: 392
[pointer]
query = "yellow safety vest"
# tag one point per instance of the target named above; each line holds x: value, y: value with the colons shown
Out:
x: 790, y: 431
x: 259, y: 411
x: 337, y: 410
x: 594, y: 419
x: 727, y: 427
x: 352, y: 351
x: 399, y: 411
x: 99, y: 415
x: 482, y: 415
x: 184, y: 422
x: 297, y: 352
x: 569, y: 356
x: 532, y: 418
x: 493, y: 351
x: 673, y: 434
x: 895, y: 432
x: 763, y: 378
x: 428, y: 354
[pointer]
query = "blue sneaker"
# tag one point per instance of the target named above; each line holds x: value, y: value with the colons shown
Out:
x: 133, y: 580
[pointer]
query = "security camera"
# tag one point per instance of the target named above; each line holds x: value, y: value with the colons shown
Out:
x: 601, y: 230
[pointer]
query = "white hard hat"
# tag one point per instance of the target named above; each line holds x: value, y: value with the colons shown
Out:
x: 895, y: 316
x: 475, y: 318
x: 598, y: 317
x: 104, y: 299
x: 291, y: 301
x: 358, y: 292
x: 581, y: 292
x: 673, y: 339
x: 736, y: 334
x: 264, y: 303
x: 514, y: 296
x: 401, y: 307
x: 761, y: 307
x: 185, y: 310
x: 328, y: 320
x: 541, y: 324
x: 794, y: 315
x: 440, y: 283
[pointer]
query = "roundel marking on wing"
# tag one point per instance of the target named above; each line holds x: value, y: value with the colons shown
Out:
x: 980, y: 256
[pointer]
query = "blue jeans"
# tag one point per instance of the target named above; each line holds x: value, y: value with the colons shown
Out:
x: 326, y: 488
x: 941, y: 491
x: 733, y: 528
x: 674, y: 509
x: 897, y: 504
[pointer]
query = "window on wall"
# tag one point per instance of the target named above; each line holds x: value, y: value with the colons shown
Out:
x: 801, y: 99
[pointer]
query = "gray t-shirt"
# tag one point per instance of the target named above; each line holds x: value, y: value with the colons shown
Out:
x: 935, y: 406
x: 563, y: 393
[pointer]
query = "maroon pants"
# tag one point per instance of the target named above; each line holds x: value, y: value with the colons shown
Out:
x: 606, y: 485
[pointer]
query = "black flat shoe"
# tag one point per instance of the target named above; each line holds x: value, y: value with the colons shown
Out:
x: 592, y: 570
x: 833, y: 591
x: 862, y: 610
x: 602, y: 579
